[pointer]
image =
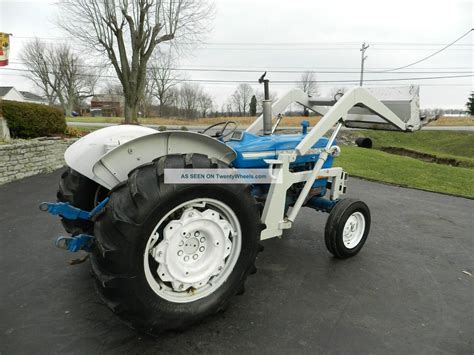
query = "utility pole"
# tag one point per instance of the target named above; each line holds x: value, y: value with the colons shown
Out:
x: 363, y: 58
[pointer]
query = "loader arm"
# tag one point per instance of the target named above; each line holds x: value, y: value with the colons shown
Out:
x: 402, y: 101
x: 355, y: 97
x: 273, y: 214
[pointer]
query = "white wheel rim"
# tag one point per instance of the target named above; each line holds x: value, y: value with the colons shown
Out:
x: 196, y: 252
x: 353, y: 230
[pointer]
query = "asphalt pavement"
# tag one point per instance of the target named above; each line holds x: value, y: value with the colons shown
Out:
x: 409, y: 291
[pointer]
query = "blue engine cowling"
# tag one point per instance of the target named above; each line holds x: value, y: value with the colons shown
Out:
x: 252, y: 150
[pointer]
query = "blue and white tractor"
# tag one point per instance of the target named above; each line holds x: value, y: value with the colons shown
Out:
x: 166, y: 255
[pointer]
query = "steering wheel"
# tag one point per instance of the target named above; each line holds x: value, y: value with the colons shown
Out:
x: 220, y: 134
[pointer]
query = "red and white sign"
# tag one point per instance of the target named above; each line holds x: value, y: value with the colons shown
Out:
x: 4, y: 48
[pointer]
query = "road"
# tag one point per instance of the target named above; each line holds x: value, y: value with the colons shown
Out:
x: 406, y: 292
x: 196, y: 128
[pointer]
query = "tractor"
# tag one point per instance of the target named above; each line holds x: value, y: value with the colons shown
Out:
x: 166, y: 255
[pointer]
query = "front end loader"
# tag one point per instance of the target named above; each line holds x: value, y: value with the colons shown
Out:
x: 166, y: 255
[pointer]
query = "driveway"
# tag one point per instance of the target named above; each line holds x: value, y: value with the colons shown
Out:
x: 406, y: 292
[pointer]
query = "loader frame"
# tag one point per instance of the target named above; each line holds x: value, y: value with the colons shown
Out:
x: 273, y: 215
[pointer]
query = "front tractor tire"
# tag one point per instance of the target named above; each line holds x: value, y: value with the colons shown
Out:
x: 347, y: 228
x: 169, y: 255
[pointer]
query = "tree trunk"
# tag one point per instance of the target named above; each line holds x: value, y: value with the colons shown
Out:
x: 68, y: 109
x: 131, y: 110
x: 160, y: 111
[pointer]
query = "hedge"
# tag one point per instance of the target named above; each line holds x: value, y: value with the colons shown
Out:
x: 28, y: 120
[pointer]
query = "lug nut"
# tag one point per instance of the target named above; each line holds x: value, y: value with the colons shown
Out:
x: 197, y: 234
x: 203, y: 240
x: 201, y: 249
x: 186, y: 258
x: 180, y: 253
x: 195, y: 256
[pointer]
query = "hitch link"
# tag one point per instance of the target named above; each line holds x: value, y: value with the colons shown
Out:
x: 72, y: 213
x: 75, y: 243
x: 64, y: 209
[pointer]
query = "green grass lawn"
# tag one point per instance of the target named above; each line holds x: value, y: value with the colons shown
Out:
x: 95, y: 119
x: 405, y: 171
x: 86, y: 129
x: 443, y: 144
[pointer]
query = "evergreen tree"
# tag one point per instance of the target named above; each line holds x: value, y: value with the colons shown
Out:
x: 470, y: 104
x: 253, y: 106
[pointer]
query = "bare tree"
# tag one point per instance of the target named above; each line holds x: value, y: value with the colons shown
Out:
x: 241, y: 98
x: 112, y: 88
x: 205, y: 103
x: 308, y: 83
x: 189, y: 99
x: 146, y: 100
x: 229, y: 107
x: 261, y: 96
x: 163, y: 79
x: 37, y: 59
x: 59, y: 73
x: 128, y: 32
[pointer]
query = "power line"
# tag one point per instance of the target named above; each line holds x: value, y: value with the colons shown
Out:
x: 282, y: 49
x: 433, y: 54
x: 232, y: 83
x: 295, y: 44
x: 336, y: 81
x: 225, y: 70
x: 345, y: 68
x: 282, y: 81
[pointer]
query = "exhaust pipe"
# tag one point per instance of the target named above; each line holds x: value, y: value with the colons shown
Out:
x: 267, y: 117
x: 267, y: 106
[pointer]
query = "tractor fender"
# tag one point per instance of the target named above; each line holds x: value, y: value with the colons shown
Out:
x: 85, y: 152
x: 113, y: 166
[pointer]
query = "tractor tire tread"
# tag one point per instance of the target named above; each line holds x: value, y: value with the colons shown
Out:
x: 129, y: 207
x: 79, y: 191
x: 333, y: 224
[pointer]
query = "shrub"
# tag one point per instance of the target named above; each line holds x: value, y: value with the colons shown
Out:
x: 28, y: 120
x: 73, y: 132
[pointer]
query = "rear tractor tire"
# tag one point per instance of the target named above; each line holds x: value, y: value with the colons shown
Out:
x: 169, y: 255
x: 347, y: 228
x: 80, y: 192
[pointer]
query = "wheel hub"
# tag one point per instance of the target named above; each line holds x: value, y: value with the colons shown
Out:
x: 353, y: 230
x: 194, y: 249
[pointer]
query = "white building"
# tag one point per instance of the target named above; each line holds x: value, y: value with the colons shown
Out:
x: 10, y: 93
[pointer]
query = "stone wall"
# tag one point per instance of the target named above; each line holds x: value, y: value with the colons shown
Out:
x: 24, y: 158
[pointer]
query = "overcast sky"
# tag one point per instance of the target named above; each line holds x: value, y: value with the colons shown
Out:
x: 299, y: 34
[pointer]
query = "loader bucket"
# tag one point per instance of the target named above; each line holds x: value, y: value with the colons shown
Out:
x: 402, y: 101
